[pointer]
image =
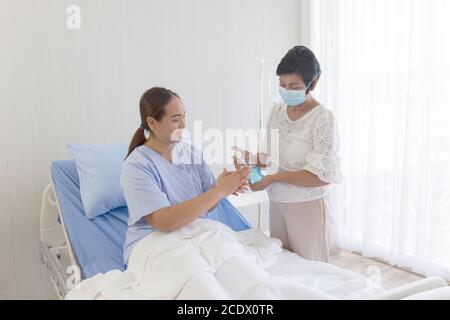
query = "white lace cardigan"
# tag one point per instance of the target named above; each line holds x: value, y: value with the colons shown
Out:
x: 310, y: 143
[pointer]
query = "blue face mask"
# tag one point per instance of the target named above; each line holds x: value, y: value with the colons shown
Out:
x: 293, y: 97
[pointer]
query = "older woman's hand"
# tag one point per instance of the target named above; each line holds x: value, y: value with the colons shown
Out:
x: 246, y: 157
x: 263, y: 184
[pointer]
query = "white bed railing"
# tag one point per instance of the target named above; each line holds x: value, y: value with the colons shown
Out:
x: 52, y: 229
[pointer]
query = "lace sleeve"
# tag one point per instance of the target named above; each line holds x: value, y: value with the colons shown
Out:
x: 323, y: 160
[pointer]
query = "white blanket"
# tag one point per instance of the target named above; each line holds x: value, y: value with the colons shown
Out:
x: 207, y: 260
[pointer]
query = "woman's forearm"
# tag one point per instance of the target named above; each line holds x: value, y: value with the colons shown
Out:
x: 301, y: 178
x: 174, y: 217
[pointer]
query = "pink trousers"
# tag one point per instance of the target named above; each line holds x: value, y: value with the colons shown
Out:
x: 302, y: 227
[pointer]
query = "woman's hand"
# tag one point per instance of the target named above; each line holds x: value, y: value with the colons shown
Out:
x: 248, y: 157
x: 260, y: 159
x: 242, y: 189
x: 245, y: 186
x: 233, y: 182
x: 263, y: 184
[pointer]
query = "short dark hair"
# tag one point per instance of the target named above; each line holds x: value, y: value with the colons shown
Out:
x: 301, y: 61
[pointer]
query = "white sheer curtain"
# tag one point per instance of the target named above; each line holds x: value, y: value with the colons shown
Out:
x: 386, y: 76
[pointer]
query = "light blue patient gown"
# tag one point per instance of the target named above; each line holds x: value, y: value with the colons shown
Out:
x: 149, y: 182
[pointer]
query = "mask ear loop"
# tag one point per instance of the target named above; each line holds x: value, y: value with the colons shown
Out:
x: 307, y: 94
x: 309, y: 85
x: 315, y: 78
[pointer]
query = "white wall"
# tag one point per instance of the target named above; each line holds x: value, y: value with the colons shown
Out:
x: 59, y: 86
x: 305, y: 23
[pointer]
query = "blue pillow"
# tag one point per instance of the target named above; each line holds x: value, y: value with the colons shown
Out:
x: 99, y: 167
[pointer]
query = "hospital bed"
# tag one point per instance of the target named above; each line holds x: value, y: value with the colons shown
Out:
x: 74, y: 248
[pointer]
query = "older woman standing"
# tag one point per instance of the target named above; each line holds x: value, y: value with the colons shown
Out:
x: 308, y: 160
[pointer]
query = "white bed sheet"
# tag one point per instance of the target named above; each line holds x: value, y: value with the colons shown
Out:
x: 207, y: 260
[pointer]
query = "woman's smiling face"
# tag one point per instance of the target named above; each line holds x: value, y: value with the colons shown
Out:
x: 170, y: 128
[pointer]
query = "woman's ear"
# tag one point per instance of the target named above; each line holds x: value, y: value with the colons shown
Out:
x: 314, y: 83
x: 151, y: 123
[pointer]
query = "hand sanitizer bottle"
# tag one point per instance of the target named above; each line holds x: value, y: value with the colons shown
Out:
x: 255, y: 175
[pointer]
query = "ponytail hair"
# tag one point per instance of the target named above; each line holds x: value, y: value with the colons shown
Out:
x: 137, y: 140
x: 152, y: 104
